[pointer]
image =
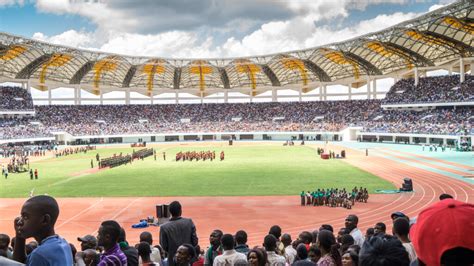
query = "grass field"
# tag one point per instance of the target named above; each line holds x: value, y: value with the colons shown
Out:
x: 259, y: 169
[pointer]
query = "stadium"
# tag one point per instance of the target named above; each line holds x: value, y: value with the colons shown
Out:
x: 302, y: 139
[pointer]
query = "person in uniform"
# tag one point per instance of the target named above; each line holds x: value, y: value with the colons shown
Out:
x: 302, y: 195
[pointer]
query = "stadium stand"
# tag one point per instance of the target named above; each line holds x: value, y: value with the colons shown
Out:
x: 15, y: 98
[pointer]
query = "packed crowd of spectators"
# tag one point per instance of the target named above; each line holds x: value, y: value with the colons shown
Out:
x: 426, y: 240
x: 15, y: 98
x: 432, y: 90
x: 327, y: 116
x: 332, y: 116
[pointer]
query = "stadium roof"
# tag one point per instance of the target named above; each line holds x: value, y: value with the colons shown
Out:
x: 427, y: 41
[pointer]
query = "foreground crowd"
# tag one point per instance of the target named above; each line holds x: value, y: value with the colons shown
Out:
x: 440, y: 235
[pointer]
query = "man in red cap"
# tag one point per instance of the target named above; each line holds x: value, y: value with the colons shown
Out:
x: 443, y: 234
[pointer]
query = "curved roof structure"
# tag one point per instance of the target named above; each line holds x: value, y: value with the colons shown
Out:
x: 436, y: 37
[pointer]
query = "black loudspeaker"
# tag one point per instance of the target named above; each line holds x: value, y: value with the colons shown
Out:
x: 231, y: 142
x: 159, y: 211
x: 407, y: 185
x: 166, y: 211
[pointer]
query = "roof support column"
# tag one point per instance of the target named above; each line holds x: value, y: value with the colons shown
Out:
x: 251, y: 97
x: 127, y: 96
x: 176, y: 97
x: 28, y: 86
x: 226, y: 96
x: 349, y: 88
x: 461, y: 70
x: 417, y: 77
x: 49, y: 96
x: 75, y: 95
x: 325, y: 93
x: 152, y: 99
x: 202, y: 97
x: 374, y: 89
x: 79, y: 95
x: 320, y: 92
x: 274, y: 95
x: 300, y: 95
x: 368, y: 87
x: 101, y: 98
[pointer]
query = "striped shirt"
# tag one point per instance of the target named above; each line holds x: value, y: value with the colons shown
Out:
x: 113, y: 257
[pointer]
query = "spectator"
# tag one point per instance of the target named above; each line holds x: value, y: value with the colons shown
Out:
x: 314, y: 254
x: 346, y: 242
x: 144, y: 251
x: 441, y: 234
x: 369, y: 233
x: 38, y: 216
x: 270, y: 244
x: 290, y: 252
x: 330, y: 255
x: 215, y: 249
x: 108, y: 237
x: 302, y: 256
x: 185, y: 255
x: 276, y: 232
x: 176, y: 232
x: 350, y: 258
x: 351, y: 224
x: 130, y: 252
x: 400, y: 229
x: 229, y: 256
x: 88, y: 242
x: 155, y: 255
x: 380, y: 229
x: 445, y: 196
x: 383, y: 251
x: 257, y: 257
x: 241, y: 242
x: 4, y: 243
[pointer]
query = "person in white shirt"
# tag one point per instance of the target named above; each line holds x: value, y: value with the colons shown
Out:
x: 351, y: 224
x: 270, y: 244
x: 401, y: 228
x: 229, y: 256
x: 155, y: 255
x: 290, y: 252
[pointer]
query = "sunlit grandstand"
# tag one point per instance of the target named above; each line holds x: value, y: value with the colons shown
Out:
x: 379, y: 127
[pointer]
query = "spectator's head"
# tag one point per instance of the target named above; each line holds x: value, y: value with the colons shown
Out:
x: 354, y: 248
x: 275, y: 231
x: 314, y: 254
x: 109, y: 233
x: 286, y: 239
x: 215, y: 237
x: 380, y: 228
x: 369, y: 233
x: 184, y: 254
x: 401, y: 227
x: 227, y: 242
x: 175, y: 209
x: 445, y: 196
x: 257, y: 257
x: 306, y: 237
x: 386, y: 251
x: 441, y: 232
x: 90, y: 257
x: 38, y: 216
x: 122, y: 235
x: 144, y: 251
x: 327, y: 243
x: 327, y: 227
x: 88, y: 242
x: 350, y: 258
x: 4, y: 241
x: 346, y: 242
x: 241, y: 237
x: 270, y: 243
x: 396, y: 215
x: 351, y: 222
x: 301, y: 252
x: 30, y: 247
x: 315, y: 236
x: 146, y: 237
x: 340, y: 233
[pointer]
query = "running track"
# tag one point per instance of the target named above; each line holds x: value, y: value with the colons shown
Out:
x: 80, y: 216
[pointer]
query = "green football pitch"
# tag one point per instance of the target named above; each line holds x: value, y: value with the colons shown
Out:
x: 256, y: 169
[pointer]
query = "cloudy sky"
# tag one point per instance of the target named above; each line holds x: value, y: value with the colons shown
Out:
x: 203, y: 28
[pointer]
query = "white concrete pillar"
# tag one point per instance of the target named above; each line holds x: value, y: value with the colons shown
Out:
x: 226, y: 97
x: 274, y: 95
x: 349, y: 88
x: 320, y: 93
x: 251, y: 97
x: 127, y: 96
x: 461, y: 70
x: 79, y: 96
x: 450, y: 70
x: 101, y: 98
x: 49, y: 96
x: 28, y: 86
x: 152, y: 99
x: 202, y: 97
x: 325, y: 95
x: 368, y: 88
x: 300, y: 95
x: 176, y: 97
x: 374, y: 89
x: 417, y: 77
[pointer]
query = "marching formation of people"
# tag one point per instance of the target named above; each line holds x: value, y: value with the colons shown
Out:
x: 114, y: 161
x: 76, y: 150
x: 334, y: 197
x: 142, y: 154
x: 198, y: 155
x: 17, y: 164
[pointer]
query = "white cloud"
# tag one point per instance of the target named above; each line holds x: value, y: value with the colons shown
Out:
x: 69, y: 38
x: 11, y: 2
